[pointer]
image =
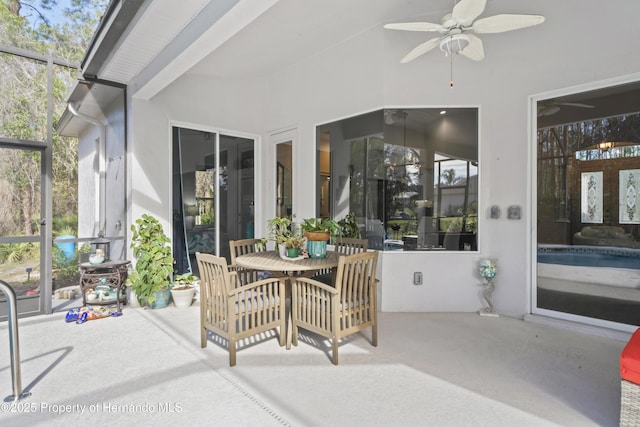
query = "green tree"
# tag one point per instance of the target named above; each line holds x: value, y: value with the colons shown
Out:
x: 23, y: 106
x: 449, y: 176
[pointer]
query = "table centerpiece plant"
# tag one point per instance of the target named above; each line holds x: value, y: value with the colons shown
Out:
x: 279, y: 230
x: 318, y: 232
x: 294, y: 245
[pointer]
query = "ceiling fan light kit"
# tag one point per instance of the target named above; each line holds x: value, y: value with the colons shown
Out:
x: 454, y: 44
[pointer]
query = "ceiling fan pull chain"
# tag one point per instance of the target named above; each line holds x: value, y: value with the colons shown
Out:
x: 451, y: 64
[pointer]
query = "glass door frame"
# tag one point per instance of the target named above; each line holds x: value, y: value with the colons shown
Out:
x: 216, y: 135
x: 289, y: 136
x: 45, y: 236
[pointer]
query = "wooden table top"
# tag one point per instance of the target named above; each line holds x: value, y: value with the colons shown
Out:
x: 271, y: 261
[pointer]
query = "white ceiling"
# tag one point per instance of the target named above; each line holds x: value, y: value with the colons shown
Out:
x: 293, y: 30
x: 255, y: 37
x: 259, y: 37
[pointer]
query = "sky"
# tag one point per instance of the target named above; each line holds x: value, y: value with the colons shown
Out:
x: 55, y: 15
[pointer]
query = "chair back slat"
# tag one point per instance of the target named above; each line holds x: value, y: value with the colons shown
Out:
x: 214, y: 286
x: 342, y: 309
x: 244, y: 247
x: 350, y: 245
x: 235, y: 310
x: 355, y: 281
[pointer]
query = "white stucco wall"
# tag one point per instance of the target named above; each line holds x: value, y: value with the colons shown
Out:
x: 581, y: 42
x: 115, y: 175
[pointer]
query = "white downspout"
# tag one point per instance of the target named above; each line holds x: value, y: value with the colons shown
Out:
x: 102, y: 166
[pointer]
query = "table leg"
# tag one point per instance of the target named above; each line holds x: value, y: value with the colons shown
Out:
x: 289, y: 319
x: 288, y: 289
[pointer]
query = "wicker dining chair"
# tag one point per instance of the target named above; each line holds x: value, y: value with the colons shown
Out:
x: 235, y: 311
x: 337, y: 311
x: 243, y: 247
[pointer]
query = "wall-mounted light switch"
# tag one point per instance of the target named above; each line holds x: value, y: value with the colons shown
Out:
x: 417, y: 278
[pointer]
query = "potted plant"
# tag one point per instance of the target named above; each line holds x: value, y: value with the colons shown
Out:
x: 294, y: 245
x: 153, y: 269
x: 349, y: 226
x: 318, y: 231
x: 279, y: 231
x: 183, y: 289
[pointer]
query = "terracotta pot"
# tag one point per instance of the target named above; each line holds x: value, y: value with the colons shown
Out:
x: 317, y: 236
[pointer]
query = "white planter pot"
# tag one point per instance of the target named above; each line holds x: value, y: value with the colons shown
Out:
x: 183, y: 298
x: 133, y: 299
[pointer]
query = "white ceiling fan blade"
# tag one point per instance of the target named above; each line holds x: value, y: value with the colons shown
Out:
x: 547, y: 110
x: 421, y: 49
x: 575, y: 104
x: 414, y: 26
x: 474, y: 49
x: 465, y: 11
x: 505, y: 22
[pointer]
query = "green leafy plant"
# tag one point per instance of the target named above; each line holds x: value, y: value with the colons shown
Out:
x: 349, y: 226
x: 207, y: 218
x: 279, y: 229
x: 185, y: 278
x: 183, y: 281
x: 322, y: 225
x: 65, y: 270
x: 154, y: 261
x: 262, y: 244
x: 294, y: 242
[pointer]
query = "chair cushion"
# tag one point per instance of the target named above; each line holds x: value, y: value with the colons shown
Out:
x: 326, y: 278
x: 630, y: 359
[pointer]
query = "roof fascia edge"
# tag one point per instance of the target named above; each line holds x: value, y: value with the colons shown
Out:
x: 113, y: 29
x: 209, y: 30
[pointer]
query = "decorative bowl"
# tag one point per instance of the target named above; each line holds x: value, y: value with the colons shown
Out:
x: 96, y: 259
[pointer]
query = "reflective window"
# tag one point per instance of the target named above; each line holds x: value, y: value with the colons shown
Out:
x: 206, y: 172
x: 588, y: 204
x: 410, y: 177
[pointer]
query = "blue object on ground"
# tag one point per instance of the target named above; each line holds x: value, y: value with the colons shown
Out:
x: 83, y: 317
x: 72, y: 315
x: 68, y: 248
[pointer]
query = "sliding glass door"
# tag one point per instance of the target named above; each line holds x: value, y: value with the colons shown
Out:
x: 213, y: 194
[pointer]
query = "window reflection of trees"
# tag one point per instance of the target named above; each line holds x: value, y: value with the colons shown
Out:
x: 386, y: 169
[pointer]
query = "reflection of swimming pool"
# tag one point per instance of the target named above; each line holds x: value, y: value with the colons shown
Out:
x: 591, y: 257
x: 584, y: 269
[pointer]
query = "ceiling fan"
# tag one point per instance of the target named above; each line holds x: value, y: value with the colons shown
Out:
x: 550, y: 107
x: 455, y: 29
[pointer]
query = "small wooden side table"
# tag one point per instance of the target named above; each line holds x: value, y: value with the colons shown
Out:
x: 110, y: 273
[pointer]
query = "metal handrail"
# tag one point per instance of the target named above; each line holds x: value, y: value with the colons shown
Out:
x: 14, y: 343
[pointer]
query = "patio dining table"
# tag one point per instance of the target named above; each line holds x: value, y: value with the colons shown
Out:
x: 291, y: 268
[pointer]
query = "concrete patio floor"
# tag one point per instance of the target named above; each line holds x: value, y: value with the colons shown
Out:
x: 446, y: 369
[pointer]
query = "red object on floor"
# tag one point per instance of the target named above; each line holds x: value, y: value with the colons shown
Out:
x: 630, y: 359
